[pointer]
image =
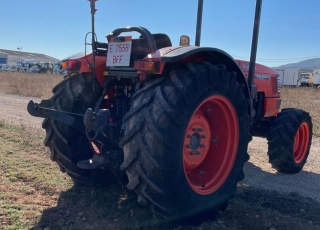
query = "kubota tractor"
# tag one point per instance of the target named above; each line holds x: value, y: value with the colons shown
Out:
x: 176, y: 119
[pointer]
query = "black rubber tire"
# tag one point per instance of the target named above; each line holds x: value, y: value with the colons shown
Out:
x: 281, y: 139
x: 68, y: 145
x: 154, y: 135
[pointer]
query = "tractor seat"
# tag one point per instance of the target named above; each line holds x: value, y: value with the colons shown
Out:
x: 162, y: 41
x: 140, y: 47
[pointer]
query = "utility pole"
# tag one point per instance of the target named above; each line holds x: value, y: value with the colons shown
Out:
x: 19, y: 48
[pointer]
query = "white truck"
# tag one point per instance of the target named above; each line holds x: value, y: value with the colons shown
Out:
x: 316, y: 77
x: 288, y: 77
x: 306, y: 78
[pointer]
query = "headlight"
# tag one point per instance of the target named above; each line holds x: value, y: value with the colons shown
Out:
x: 278, y: 84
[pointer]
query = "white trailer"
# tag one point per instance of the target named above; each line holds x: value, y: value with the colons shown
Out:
x: 288, y: 77
x: 316, y: 77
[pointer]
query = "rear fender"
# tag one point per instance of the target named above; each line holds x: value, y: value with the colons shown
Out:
x: 174, y: 55
x: 84, y: 60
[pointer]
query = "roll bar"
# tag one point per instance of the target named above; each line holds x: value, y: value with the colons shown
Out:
x: 141, y: 30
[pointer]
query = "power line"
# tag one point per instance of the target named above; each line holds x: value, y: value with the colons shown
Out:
x: 279, y: 59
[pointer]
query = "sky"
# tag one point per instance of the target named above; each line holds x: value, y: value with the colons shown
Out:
x: 289, y: 29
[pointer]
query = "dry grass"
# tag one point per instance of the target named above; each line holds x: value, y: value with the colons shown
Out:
x: 34, y: 85
x: 40, y: 85
x: 304, y: 98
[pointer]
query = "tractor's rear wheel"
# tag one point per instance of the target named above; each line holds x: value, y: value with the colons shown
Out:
x: 289, y: 140
x: 67, y: 145
x: 186, y: 140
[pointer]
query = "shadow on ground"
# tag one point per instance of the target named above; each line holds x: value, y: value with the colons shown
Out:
x: 304, y: 183
x: 113, y: 207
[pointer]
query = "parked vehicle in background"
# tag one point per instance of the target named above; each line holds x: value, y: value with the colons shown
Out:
x: 26, y: 67
x: 7, y: 67
x: 20, y: 65
x: 306, y: 79
x: 316, y: 77
x: 27, y: 64
x: 46, y: 67
x: 11, y: 68
x: 3, y: 66
x: 35, y: 68
x: 57, y: 69
x: 42, y: 67
x: 288, y: 77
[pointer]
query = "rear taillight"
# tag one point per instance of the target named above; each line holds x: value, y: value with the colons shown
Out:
x: 146, y: 66
x: 70, y: 65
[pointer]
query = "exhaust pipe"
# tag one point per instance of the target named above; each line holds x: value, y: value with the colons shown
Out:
x: 254, y: 45
x: 93, y: 11
x: 199, y: 22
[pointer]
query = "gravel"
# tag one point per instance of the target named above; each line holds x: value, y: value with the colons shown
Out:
x: 258, y: 171
x: 14, y: 112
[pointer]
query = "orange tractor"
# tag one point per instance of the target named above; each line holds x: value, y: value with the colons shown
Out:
x: 176, y: 119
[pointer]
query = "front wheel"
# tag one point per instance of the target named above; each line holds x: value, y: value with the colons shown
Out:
x: 186, y: 140
x: 289, y: 140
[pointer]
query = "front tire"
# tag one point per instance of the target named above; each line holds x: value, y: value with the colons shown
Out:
x: 186, y: 140
x: 289, y: 140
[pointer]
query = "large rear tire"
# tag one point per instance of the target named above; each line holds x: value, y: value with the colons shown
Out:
x: 67, y: 145
x: 289, y: 140
x: 186, y: 140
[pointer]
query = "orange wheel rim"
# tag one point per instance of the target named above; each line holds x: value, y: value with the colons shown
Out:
x: 210, y: 145
x: 301, y: 143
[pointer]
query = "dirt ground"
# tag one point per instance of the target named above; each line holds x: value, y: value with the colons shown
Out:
x: 259, y: 173
x: 266, y: 199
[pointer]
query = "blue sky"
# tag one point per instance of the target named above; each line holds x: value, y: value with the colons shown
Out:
x: 289, y: 29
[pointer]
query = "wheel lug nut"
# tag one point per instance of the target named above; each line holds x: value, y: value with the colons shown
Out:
x: 202, y: 146
x: 194, y: 129
x: 200, y: 129
x: 197, y: 153
x: 203, y: 136
x: 188, y: 146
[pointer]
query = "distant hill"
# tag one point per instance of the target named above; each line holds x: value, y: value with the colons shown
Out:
x: 310, y: 63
